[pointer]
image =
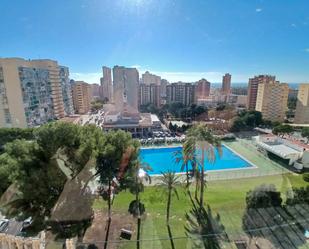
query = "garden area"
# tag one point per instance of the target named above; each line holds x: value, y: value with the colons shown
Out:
x: 82, y: 185
x: 226, y: 198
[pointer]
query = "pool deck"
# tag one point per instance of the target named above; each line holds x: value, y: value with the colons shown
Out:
x: 261, y: 165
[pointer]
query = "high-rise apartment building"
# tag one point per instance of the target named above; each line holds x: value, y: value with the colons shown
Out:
x: 293, y: 93
x: 95, y: 91
x: 126, y: 86
x: 302, y: 106
x: 164, y: 83
x: 253, y: 88
x: 150, y: 89
x: 33, y: 92
x: 149, y: 94
x: 82, y: 95
x: 106, y: 84
x: 202, y: 89
x: 148, y: 78
x: 180, y: 92
x: 272, y: 100
x: 66, y: 91
x: 226, y: 84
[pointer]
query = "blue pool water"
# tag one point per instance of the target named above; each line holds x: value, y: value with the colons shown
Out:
x: 163, y: 159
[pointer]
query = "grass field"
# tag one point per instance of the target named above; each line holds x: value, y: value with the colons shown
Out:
x: 224, y: 197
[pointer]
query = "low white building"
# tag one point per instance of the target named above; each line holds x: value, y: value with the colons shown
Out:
x: 130, y: 120
x: 281, y: 147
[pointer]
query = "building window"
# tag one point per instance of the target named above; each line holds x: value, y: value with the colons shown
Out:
x: 7, y: 116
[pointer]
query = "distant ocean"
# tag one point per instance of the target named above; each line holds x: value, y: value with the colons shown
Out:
x: 239, y: 84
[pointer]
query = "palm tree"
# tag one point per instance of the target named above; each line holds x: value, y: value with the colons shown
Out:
x: 105, y: 171
x: 169, y: 182
x: 200, y: 144
x: 111, y: 173
x: 189, y: 151
x: 182, y: 158
x: 205, y: 228
x: 139, y: 175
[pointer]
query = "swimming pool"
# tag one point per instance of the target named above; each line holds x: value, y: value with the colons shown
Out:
x: 163, y: 159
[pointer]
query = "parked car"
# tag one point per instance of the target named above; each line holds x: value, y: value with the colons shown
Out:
x: 3, y: 224
x: 27, y: 222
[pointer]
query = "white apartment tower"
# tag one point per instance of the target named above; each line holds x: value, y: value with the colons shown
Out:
x: 106, y: 84
x: 125, y: 86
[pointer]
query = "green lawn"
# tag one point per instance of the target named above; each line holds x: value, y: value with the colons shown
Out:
x: 225, y: 197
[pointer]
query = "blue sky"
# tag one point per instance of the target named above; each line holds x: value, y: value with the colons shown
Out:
x: 177, y: 39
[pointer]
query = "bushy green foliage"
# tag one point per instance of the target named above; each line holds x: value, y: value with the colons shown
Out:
x: 263, y: 196
x: 246, y: 120
x: 97, y: 105
x: 306, y: 177
x: 305, y: 132
x: 282, y: 129
x: 116, y: 157
x: 133, y: 208
x: 57, y: 152
x: 10, y: 134
x: 39, y: 181
x: 176, y: 109
x: 300, y: 196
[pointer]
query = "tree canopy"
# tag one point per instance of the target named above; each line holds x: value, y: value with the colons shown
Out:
x: 305, y: 132
x: 176, y: 109
x: 97, y: 105
x: 10, y: 134
x: 300, y: 196
x: 247, y: 120
x: 282, y: 129
x: 263, y: 196
x: 57, y: 153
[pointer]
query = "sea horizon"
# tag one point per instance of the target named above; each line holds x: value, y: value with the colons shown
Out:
x: 245, y: 84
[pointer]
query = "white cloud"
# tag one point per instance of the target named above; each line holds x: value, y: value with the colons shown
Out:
x: 87, y: 77
x: 136, y: 66
x: 212, y: 76
x: 189, y: 76
x: 258, y: 9
x: 293, y: 25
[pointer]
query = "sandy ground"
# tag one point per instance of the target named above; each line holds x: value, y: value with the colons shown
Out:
x: 98, y: 228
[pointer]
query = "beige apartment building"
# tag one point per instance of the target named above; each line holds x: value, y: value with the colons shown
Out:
x: 81, y: 92
x: 226, y: 84
x: 33, y: 92
x: 272, y: 99
x: 302, y: 106
x: 149, y: 94
x: 180, y: 92
x: 253, y: 88
x: 148, y: 78
x: 202, y: 89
